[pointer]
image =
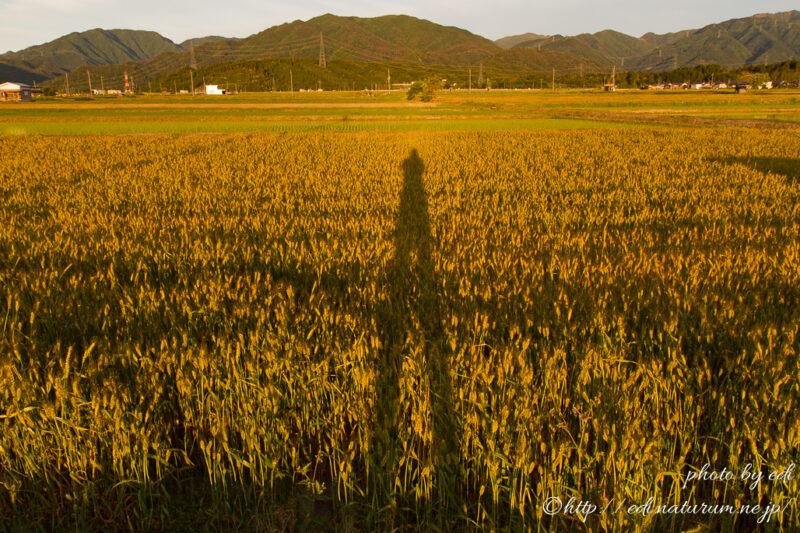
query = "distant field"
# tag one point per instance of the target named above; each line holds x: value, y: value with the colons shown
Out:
x: 383, y: 111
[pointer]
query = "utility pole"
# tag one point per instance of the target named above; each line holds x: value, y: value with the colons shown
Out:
x: 150, y: 87
x: 89, y: 75
x: 480, y: 75
x: 192, y: 61
x: 614, y: 77
x: 388, y: 79
x: 291, y: 81
x: 470, y: 79
x: 192, y: 66
x: 554, y: 79
x: 322, y: 62
x: 66, y: 78
x: 102, y: 85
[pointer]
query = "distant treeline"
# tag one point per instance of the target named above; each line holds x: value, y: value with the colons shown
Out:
x: 305, y: 74
x: 284, y: 74
x: 786, y: 71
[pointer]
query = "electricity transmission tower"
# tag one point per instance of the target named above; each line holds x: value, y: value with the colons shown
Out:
x: 322, y: 62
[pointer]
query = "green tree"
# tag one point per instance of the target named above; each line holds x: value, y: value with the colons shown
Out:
x: 414, y: 90
x: 757, y: 79
x: 429, y: 88
x: 426, y: 89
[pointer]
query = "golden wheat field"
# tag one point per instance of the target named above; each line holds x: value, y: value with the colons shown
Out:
x: 438, y: 331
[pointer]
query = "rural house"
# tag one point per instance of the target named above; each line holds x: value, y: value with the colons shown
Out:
x: 20, y: 92
x: 214, y: 89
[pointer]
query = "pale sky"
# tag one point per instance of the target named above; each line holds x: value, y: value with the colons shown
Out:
x: 25, y: 23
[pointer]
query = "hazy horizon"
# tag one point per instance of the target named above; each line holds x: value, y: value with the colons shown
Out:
x: 23, y: 26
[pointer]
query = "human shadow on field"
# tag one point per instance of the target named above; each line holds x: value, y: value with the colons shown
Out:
x: 785, y: 166
x: 410, y: 316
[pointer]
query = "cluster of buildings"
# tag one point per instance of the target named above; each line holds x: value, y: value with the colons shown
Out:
x: 22, y: 92
x: 213, y: 90
x: 687, y: 85
x: 739, y: 86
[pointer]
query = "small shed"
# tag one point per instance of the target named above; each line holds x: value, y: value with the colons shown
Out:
x: 214, y: 89
x: 17, y: 92
x: 740, y: 87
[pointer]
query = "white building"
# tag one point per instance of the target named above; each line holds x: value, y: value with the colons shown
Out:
x: 214, y: 89
x: 17, y: 91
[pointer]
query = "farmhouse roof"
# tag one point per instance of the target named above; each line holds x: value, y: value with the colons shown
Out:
x: 12, y: 86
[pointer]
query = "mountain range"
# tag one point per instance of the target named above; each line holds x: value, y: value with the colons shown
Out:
x: 405, y: 40
x: 759, y: 39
